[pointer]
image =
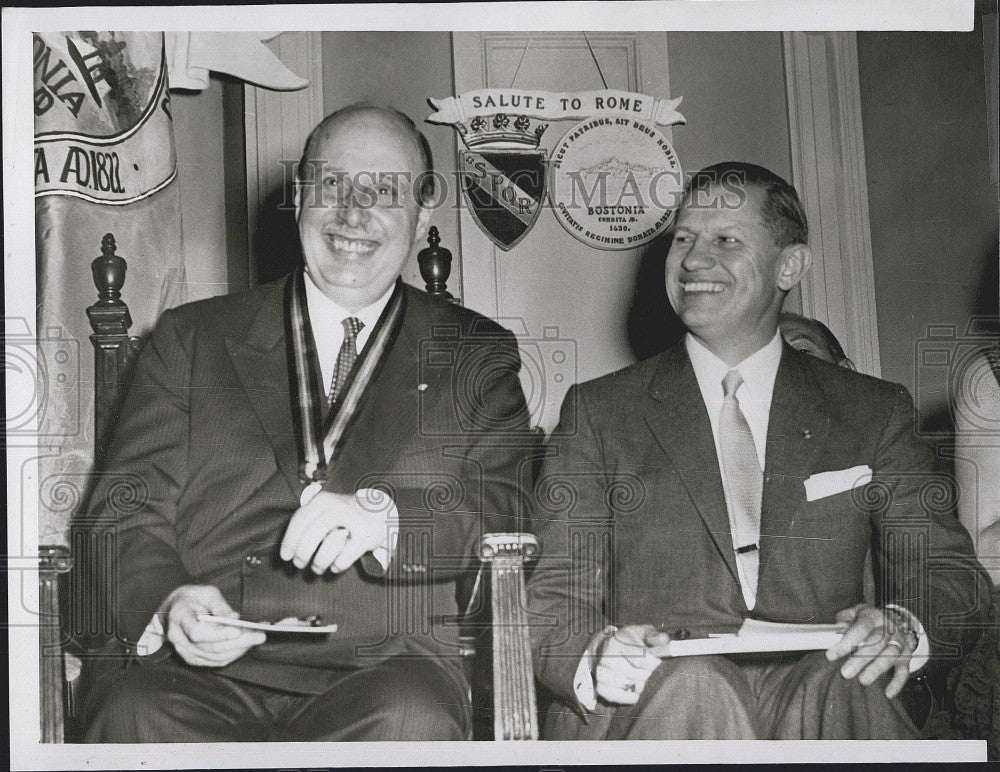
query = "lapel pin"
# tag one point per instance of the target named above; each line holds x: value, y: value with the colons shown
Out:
x: 421, y: 387
x: 806, y: 434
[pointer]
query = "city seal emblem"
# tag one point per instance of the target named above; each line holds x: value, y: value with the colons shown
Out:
x: 614, y: 182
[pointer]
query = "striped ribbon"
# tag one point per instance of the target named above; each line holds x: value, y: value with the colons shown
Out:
x: 321, y: 433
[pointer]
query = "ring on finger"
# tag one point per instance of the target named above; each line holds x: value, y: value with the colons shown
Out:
x: 893, y: 642
x: 340, y: 532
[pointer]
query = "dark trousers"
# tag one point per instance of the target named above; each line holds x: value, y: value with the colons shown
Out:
x: 717, y: 698
x: 169, y: 701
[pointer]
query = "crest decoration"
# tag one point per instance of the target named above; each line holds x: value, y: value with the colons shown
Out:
x: 609, y: 202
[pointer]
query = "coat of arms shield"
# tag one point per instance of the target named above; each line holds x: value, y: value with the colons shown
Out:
x: 504, y: 190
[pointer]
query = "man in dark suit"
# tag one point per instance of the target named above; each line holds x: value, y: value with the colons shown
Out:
x: 331, y: 445
x: 732, y: 477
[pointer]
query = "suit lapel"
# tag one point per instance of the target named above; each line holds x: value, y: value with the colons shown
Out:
x: 261, y: 362
x: 797, y: 429
x: 679, y: 422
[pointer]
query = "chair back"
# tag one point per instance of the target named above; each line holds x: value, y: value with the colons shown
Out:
x: 79, y: 616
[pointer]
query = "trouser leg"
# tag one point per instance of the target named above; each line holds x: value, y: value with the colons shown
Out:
x: 717, y: 704
x: 402, y: 698
x: 718, y: 698
x: 398, y: 699
x: 172, y: 702
x: 686, y: 698
x: 808, y: 699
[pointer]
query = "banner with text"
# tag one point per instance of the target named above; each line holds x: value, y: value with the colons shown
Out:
x: 554, y: 106
x: 104, y: 163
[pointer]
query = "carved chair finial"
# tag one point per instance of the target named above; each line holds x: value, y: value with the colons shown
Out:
x: 435, y: 265
x: 109, y: 273
x: 109, y: 316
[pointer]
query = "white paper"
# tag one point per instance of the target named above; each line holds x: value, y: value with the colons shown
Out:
x: 758, y: 636
x: 284, y: 626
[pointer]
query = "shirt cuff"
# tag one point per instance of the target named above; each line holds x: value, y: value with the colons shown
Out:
x: 922, y: 653
x: 583, y: 681
x: 379, y: 503
x: 151, y: 640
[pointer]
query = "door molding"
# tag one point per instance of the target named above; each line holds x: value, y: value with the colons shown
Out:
x: 828, y: 169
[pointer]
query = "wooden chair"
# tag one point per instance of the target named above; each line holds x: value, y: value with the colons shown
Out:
x: 53, y: 563
x: 66, y: 633
x: 75, y: 630
x: 514, y: 706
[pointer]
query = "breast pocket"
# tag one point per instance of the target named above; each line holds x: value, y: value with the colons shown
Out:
x: 834, y: 531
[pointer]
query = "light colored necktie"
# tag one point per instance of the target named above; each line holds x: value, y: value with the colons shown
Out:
x: 744, y: 482
x: 345, y: 357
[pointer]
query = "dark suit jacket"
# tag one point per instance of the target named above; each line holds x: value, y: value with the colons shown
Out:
x: 634, y: 526
x: 206, y: 448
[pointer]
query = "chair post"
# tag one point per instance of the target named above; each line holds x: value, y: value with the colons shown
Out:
x: 92, y: 541
x: 515, y: 712
x: 110, y: 320
x: 91, y: 552
x: 52, y: 561
x: 435, y: 266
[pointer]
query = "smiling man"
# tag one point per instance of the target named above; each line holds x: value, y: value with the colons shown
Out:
x: 726, y: 479
x: 327, y: 448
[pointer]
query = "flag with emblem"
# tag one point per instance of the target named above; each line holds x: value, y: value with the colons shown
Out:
x: 104, y: 162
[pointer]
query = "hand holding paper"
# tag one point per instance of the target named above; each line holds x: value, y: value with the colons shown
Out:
x: 199, y: 642
x: 625, y: 660
x: 877, y: 640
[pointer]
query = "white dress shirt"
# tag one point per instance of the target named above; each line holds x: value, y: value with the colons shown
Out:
x: 326, y: 317
x: 754, y: 395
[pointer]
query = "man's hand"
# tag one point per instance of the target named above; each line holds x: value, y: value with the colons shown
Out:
x: 205, y: 644
x: 333, y: 530
x: 625, y: 660
x: 877, y: 640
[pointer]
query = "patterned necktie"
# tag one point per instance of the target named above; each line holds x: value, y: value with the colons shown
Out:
x: 346, y: 357
x: 744, y: 482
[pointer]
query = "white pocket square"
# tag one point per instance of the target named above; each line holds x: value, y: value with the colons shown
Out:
x: 824, y: 484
